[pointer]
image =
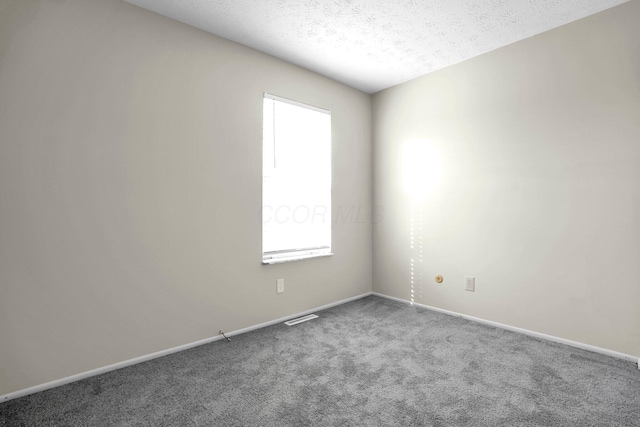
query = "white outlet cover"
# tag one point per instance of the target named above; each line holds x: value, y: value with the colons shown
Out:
x: 470, y: 283
x: 280, y: 286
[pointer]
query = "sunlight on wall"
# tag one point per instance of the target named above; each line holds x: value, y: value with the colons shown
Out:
x: 421, y: 177
x: 415, y: 236
x: 421, y: 168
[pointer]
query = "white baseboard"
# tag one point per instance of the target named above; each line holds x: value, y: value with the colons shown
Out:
x: 134, y: 361
x: 576, y: 344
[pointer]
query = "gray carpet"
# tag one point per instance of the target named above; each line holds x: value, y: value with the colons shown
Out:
x: 372, y: 362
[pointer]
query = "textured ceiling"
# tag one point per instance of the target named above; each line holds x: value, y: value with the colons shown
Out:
x: 374, y: 44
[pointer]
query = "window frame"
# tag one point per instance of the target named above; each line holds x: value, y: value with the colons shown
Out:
x: 296, y: 254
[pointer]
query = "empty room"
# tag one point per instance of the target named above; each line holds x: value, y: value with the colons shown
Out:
x: 441, y: 199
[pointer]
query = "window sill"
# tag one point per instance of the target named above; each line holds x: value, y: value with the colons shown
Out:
x: 294, y: 258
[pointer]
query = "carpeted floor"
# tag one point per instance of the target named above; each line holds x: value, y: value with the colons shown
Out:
x: 371, y: 362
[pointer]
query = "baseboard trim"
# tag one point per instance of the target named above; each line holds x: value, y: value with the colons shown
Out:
x: 151, y: 356
x: 576, y: 344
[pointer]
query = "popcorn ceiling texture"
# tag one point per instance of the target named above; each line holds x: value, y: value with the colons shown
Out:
x: 374, y: 44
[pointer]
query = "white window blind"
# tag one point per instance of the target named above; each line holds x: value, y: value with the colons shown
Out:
x: 296, y: 181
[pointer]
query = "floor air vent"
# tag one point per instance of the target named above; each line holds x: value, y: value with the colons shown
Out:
x: 300, y: 319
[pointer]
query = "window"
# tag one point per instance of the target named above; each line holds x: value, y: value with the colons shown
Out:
x: 296, y: 181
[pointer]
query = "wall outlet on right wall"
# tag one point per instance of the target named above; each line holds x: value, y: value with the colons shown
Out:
x: 469, y: 283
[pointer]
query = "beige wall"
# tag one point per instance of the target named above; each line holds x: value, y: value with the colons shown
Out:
x: 539, y: 196
x: 130, y: 188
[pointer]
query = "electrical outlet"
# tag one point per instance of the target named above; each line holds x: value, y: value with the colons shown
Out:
x: 280, y: 286
x: 470, y: 283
